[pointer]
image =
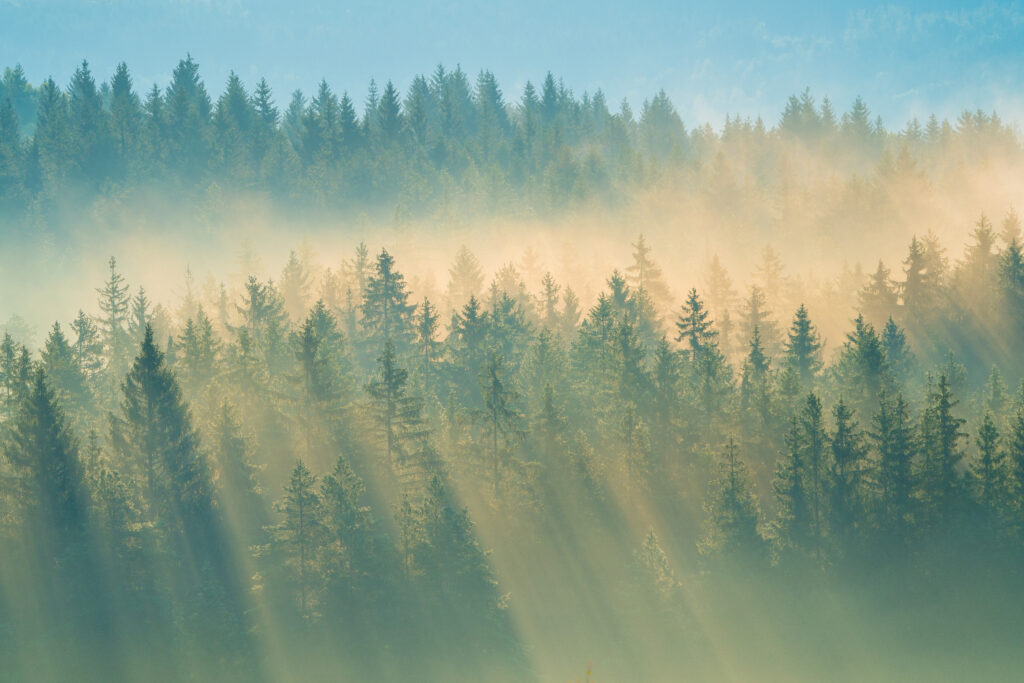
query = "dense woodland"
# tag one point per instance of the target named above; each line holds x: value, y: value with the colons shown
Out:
x: 336, y: 473
x: 297, y: 480
x: 455, y: 146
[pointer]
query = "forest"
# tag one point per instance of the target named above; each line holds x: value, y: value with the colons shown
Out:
x: 363, y: 465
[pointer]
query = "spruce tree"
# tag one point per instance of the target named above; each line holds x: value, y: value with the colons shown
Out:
x: 732, y: 514
x: 803, y: 348
x: 297, y: 542
x: 397, y: 414
x: 794, y: 527
x: 115, y: 303
x: 988, y: 475
x: 386, y: 312
x: 54, y: 504
x: 64, y: 373
x: 501, y: 417
x: 941, y: 485
x: 846, y: 479
x: 893, y: 436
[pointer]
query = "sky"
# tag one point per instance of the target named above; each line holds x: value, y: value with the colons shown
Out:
x: 712, y: 59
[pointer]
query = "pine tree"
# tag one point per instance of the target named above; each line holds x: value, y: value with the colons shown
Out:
x: 386, y: 311
x: 198, y: 354
x: 1015, y: 467
x: 64, y: 372
x: 297, y: 542
x: 644, y: 274
x: 139, y: 316
x: 570, y: 318
x: 466, y: 278
x: 847, y: 468
x: 501, y: 417
x: 711, y: 376
x: 803, y: 348
x: 238, y: 477
x: 732, y: 514
x: 898, y: 356
x: 549, y: 302
x: 878, y: 299
x: 87, y: 347
x: 988, y: 474
x: 125, y: 120
x: 940, y: 480
x: 755, y: 384
x: 1011, y: 230
x: 187, y: 110
x: 16, y: 375
x: 54, y: 501
x: 794, y: 527
x: 756, y: 315
x: 115, y: 304
x: 397, y: 414
x: 89, y: 128
x: 357, y: 578
x: 813, y: 439
x: 155, y: 434
x: 863, y: 366
x: 428, y: 347
x: 295, y: 283
x: 53, y: 486
x: 446, y: 552
x: 894, y: 479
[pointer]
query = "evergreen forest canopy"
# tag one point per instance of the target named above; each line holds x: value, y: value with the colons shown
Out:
x: 456, y: 148
x: 370, y: 467
x: 325, y: 477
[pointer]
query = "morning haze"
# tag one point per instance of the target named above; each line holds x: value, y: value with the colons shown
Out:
x: 456, y: 378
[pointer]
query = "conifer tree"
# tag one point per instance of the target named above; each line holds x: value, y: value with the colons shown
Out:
x: 54, y: 503
x: 794, y: 526
x: 154, y: 433
x: 803, y: 348
x: 397, y: 414
x: 386, y: 311
x: 756, y: 315
x: 501, y: 417
x: 238, y: 477
x: 295, y: 283
x: 732, y: 514
x: 466, y: 278
x: 15, y: 375
x: 711, y: 376
x: 356, y: 577
x: 847, y: 469
x: 988, y: 474
x: 87, y: 347
x: 755, y: 387
x: 297, y: 542
x: 894, y: 479
x: 198, y: 351
x: 878, y: 299
x: 64, y: 373
x: 813, y: 439
x: 428, y: 347
x: 940, y: 479
x: 644, y: 274
x: 1015, y: 467
x: 125, y: 119
x: 115, y: 304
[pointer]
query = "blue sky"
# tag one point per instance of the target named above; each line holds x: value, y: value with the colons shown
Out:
x: 735, y: 57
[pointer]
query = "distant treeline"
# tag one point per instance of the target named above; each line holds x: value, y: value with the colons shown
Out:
x: 450, y: 141
x: 140, y: 469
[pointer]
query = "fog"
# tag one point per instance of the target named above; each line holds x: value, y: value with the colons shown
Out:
x: 663, y: 418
